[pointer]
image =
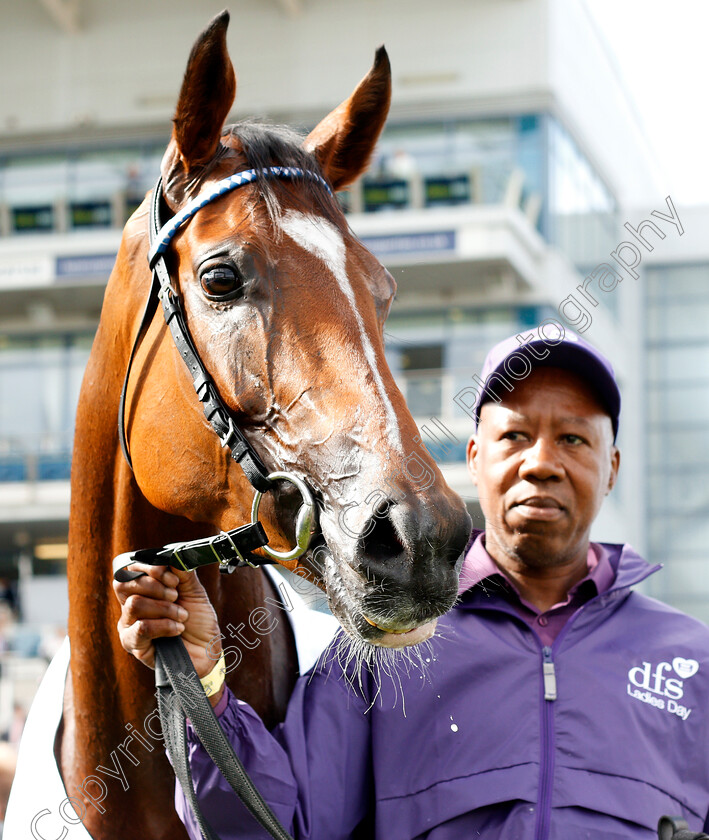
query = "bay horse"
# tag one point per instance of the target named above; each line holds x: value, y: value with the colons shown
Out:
x: 286, y: 310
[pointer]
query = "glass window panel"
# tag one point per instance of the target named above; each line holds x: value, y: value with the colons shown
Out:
x: 148, y: 169
x: 85, y: 179
x: 422, y: 357
x: 657, y: 490
x: 675, y: 320
x: 456, y: 340
x: 582, y: 210
x: 675, y: 447
x: 678, y: 363
x: 668, y: 283
x: 101, y: 174
x: 39, y: 387
x: 485, y: 147
x: 689, y: 575
x: 32, y: 218
x: 688, y: 490
x: 683, y: 403
x: 655, y: 282
x: 686, y: 535
x: 654, y: 321
x: 686, y: 321
x: 84, y: 215
x: 422, y: 148
x: 423, y: 395
x: 36, y: 180
x: 659, y: 535
x: 20, y: 415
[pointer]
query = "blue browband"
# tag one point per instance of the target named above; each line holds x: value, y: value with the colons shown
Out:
x: 168, y: 230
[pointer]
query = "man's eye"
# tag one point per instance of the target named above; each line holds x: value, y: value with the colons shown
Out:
x: 221, y: 282
x: 514, y: 436
x: 574, y: 439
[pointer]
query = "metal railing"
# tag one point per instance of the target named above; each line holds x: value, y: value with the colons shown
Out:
x: 35, y: 466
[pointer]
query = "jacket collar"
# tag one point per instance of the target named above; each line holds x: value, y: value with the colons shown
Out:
x: 629, y: 567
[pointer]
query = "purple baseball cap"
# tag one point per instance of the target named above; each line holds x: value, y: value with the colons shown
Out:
x: 549, y: 345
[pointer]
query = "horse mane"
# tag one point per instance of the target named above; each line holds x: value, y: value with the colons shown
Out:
x: 264, y: 145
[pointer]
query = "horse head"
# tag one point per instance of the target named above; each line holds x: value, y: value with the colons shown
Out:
x: 286, y: 307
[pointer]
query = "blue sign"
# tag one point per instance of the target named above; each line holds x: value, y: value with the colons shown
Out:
x: 84, y: 266
x: 411, y: 243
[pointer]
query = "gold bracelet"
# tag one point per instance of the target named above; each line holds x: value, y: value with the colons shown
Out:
x: 215, y: 678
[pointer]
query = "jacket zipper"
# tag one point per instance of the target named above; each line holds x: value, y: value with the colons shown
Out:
x: 549, y: 695
x: 546, y: 771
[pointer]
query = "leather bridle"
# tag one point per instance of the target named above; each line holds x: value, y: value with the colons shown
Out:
x: 233, y: 548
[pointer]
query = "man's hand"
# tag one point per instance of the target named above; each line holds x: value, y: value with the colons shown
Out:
x: 168, y: 602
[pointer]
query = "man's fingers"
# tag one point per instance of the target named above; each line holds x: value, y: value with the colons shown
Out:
x: 156, y: 582
x: 138, y: 638
x: 146, y: 587
x: 147, y: 629
x: 163, y: 601
x: 138, y: 607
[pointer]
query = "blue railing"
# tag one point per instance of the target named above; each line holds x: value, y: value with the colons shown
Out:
x: 50, y: 466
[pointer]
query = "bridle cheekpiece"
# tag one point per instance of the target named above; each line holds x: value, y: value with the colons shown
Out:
x: 233, y: 548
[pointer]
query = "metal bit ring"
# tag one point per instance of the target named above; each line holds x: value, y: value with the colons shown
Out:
x: 305, y: 522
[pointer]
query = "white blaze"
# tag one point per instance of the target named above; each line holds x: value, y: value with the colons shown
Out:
x: 322, y: 239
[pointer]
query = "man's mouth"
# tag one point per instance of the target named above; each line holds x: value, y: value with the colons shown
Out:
x: 541, y: 508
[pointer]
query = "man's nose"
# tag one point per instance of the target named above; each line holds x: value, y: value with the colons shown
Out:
x: 542, y: 461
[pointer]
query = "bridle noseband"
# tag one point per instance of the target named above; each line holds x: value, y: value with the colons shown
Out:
x: 245, y: 539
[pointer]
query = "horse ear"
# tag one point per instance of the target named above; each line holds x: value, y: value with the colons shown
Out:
x: 344, y: 141
x: 206, y: 97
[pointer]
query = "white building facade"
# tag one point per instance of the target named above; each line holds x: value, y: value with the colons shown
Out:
x: 511, y: 160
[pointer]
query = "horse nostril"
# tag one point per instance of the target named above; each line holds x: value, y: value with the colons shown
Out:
x: 403, y: 563
x: 380, y: 540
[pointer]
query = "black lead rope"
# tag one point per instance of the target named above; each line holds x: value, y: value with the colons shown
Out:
x: 180, y: 695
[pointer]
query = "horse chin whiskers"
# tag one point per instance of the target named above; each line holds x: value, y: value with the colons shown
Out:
x: 364, y: 644
x: 365, y: 666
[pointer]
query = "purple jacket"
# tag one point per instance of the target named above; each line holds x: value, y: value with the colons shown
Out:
x: 594, y: 737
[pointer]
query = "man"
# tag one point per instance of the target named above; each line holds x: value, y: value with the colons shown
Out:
x: 555, y: 703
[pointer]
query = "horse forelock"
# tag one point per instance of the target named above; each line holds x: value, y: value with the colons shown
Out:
x: 262, y: 145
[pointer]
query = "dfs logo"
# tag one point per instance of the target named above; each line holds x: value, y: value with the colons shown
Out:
x: 659, y: 681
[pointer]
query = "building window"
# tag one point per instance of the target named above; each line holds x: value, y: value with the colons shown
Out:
x: 40, y: 378
x: 677, y: 426
x: 581, y: 218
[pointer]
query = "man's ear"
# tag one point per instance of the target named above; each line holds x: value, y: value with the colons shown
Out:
x: 615, y: 466
x: 471, y: 454
x: 344, y: 141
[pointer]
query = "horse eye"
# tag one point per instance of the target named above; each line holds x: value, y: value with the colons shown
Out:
x: 221, y: 282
